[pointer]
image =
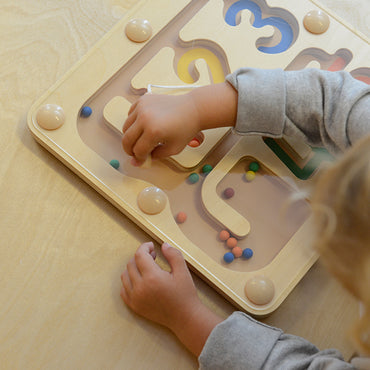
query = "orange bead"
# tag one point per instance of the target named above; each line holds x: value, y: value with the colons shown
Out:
x: 237, y: 252
x: 224, y: 235
x: 231, y: 242
x: 194, y: 143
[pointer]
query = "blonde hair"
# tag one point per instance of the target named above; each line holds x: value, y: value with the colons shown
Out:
x: 341, y: 203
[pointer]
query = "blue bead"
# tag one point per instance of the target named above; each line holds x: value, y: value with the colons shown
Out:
x: 247, y: 253
x: 193, y: 178
x: 86, y: 111
x: 228, y: 257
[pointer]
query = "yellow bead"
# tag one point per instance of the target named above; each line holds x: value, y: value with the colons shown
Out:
x: 250, y: 175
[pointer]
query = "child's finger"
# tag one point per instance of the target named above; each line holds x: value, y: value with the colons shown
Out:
x: 124, y: 295
x: 174, y: 258
x: 144, y: 258
x: 131, y: 118
x: 136, y: 163
x: 141, y: 153
x: 133, y: 272
x: 126, y: 282
x: 147, y: 247
x: 145, y: 144
x: 163, y: 151
x: 130, y: 138
x: 133, y: 107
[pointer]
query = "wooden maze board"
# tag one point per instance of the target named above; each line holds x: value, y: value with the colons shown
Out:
x: 195, y: 43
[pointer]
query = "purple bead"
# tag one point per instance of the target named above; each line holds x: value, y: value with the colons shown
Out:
x: 229, y: 193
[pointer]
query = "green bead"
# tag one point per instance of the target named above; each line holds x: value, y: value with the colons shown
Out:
x: 193, y: 178
x: 114, y: 163
x: 254, y: 166
x: 207, y: 168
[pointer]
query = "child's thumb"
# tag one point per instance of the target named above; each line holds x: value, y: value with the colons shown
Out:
x: 174, y: 257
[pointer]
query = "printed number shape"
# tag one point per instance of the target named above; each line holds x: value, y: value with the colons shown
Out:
x: 277, y: 22
x: 199, y: 53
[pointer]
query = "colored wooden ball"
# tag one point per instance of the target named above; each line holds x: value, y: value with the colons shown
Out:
x: 231, y: 242
x: 207, y: 168
x: 229, y: 193
x: 254, y: 166
x: 237, y: 252
x: 181, y: 217
x: 86, y: 111
x: 250, y: 175
x: 224, y: 235
x: 194, y: 143
x: 114, y: 163
x: 247, y: 253
x: 228, y: 257
x: 193, y: 178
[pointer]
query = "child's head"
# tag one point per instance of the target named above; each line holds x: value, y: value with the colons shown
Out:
x: 341, y: 202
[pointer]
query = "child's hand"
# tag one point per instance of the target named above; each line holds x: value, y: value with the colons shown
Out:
x: 167, y: 298
x: 159, y: 125
x: 162, y: 125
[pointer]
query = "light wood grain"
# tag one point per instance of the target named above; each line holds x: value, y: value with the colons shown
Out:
x: 63, y: 246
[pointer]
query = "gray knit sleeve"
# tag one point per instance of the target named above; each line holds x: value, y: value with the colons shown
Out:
x: 329, y: 109
x: 241, y: 342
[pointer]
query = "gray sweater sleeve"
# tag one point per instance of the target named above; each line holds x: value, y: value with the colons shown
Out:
x: 241, y: 342
x: 329, y: 109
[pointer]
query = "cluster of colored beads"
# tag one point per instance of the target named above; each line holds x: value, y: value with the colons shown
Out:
x: 236, y: 251
x: 251, y: 172
x: 194, y: 177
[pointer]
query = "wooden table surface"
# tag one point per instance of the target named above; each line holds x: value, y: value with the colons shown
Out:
x: 63, y: 247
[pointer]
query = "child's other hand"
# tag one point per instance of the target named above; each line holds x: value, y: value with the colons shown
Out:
x: 159, y: 125
x: 168, y: 298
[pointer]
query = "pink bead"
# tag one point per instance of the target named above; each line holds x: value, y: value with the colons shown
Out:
x: 181, y: 217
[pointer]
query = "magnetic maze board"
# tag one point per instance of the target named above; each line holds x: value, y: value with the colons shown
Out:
x: 251, y: 241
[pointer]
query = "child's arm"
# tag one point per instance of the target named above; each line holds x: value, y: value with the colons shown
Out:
x: 239, y: 342
x: 173, y: 121
x: 327, y: 109
x: 167, y: 298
